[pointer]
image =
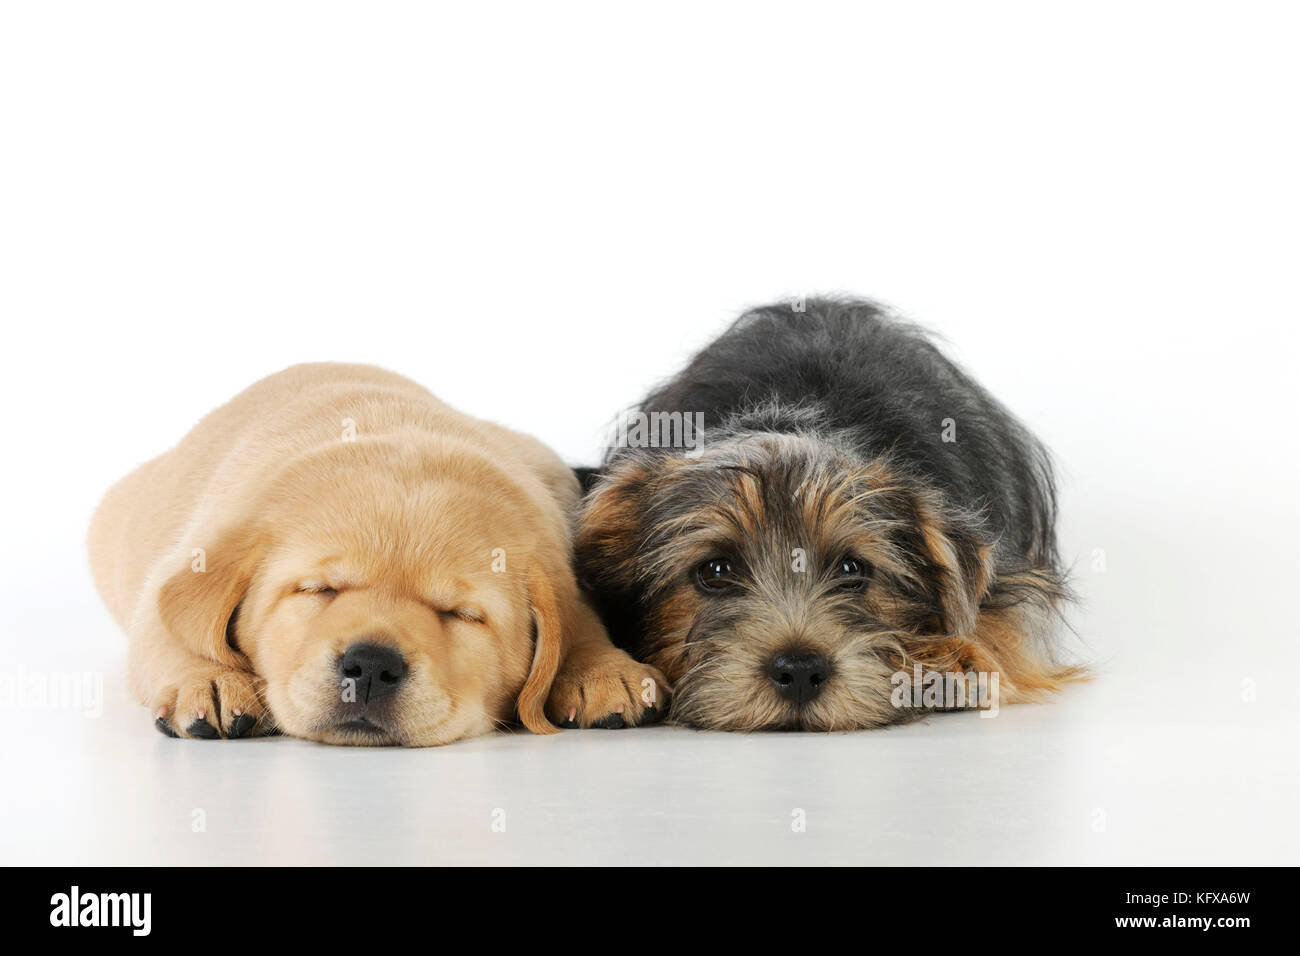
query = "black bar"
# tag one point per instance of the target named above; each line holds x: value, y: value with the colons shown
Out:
x: 925, y: 905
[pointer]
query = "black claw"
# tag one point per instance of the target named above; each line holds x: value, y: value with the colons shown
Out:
x: 651, y: 715
x: 610, y: 722
x: 165, y: 728
x: 569, y: 723
x: 241, y: 725
x: 203, y: 730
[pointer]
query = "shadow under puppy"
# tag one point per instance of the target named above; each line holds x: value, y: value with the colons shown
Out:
x: 338, y: 555
x: 853, y: 507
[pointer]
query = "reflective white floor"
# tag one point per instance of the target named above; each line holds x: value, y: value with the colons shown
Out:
x: 1182, y: 752
x: 1081, y: 781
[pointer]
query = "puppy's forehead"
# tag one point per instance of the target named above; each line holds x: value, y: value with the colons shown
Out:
x: 771, y: 480
x: 360, y: 547
x: 759, y: 496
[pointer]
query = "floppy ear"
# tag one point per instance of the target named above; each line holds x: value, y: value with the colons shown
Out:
x: 608, y: 546
x: 609, y: 526
x: 551, y: 613
x: 957, y: 566
x: 197, y: 602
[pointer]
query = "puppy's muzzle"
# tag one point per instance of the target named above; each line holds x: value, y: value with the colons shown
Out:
x: 376, y: 670
x: 799, y: 677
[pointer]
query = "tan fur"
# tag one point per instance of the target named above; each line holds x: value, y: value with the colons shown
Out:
x: 935, y: 597
x: 356, y: 479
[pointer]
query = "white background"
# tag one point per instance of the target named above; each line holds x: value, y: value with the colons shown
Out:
x: 538, y: 210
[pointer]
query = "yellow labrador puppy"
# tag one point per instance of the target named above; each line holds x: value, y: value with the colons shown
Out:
x: 338, y: 555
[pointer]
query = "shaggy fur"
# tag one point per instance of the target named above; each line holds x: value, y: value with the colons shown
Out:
x: 824, y: 518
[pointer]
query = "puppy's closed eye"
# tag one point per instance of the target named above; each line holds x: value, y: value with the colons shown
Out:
x: 470, y: 615
x: 316, y: 588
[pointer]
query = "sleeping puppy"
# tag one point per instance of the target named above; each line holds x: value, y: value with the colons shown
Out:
x: 338, y: 555
x: 818, y: 513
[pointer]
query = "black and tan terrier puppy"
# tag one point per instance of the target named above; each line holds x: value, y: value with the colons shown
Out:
x: 819, y: 503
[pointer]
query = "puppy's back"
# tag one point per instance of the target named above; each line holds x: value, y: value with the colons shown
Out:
x: 228, y: 456
x: 847, y: 366
x: 146, y: 511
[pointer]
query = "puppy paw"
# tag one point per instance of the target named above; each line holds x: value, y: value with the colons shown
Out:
x: 606, y: 688
x: 212, y: 702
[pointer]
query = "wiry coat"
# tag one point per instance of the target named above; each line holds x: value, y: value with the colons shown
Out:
x: 834, y: 432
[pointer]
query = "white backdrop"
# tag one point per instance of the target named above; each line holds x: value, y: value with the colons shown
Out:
x: 538, y: 210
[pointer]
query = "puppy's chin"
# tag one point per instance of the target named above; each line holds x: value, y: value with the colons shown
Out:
x: 307, y: 707
x: 384, y: 731
x: 365, y: 733
x: 358, y: 732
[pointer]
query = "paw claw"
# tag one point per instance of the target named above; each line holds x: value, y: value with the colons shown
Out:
x: 203, y: 730
x: 240, y: 726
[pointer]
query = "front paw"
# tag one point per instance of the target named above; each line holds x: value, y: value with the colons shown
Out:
x: 211, y: 702
x: 606, y: 688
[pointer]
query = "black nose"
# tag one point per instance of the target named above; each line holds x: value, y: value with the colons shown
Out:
x: 799, y: 677
x: 375, y: 669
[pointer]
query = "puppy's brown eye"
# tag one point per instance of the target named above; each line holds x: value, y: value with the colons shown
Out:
x: 716, y: 574
x: 852, y: 574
